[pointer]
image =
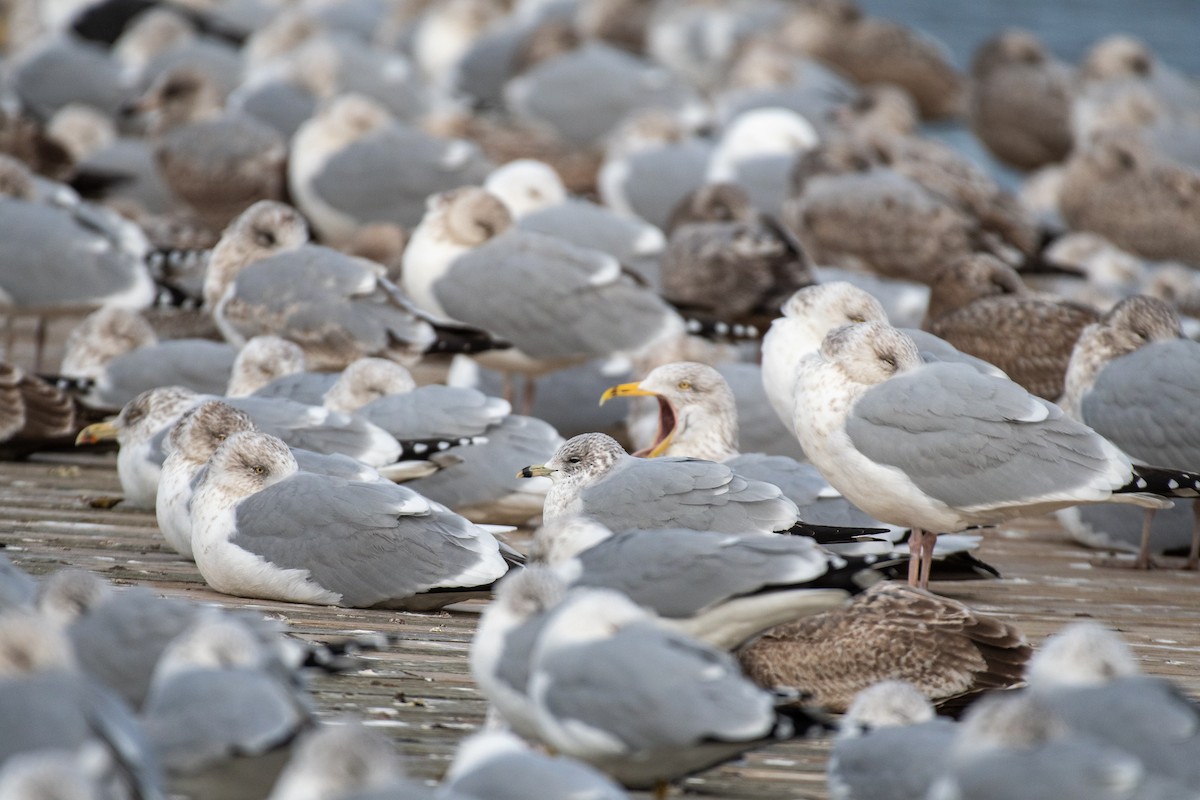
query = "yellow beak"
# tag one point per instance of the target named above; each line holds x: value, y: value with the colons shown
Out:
x: 625, y: 390
x: 97, y: 432
x: 535, y: 471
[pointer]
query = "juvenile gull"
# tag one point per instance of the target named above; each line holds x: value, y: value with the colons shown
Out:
x: 941, y: 447
x: 1021, y: 100
x: 218, y: 162
x: 496, y: 765
x: 264, y: 278
x: 33, y: 411
x: 723, y: 589
x: 884, y: 743
x: 1135, y: 379
x: 594, y: 477
x: 980, y: 305
x: 809, y: 315
x: 353, y: 164
x: 645, y: 705
x: 948, y: 651
x: 262, y: 528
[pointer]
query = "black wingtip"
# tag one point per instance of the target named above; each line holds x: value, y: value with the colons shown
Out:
x: 795, y: 721
x: 1162, y: 482
x: 423, y: 448
x: 718, y: 330
x: 464, y: 339
x: 833, y: 534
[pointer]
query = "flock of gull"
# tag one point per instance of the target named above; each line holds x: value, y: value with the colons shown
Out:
x: 687, y: 288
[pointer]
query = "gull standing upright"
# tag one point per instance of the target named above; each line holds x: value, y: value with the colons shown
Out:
x: 1135, y: 379
x: 941, y: 448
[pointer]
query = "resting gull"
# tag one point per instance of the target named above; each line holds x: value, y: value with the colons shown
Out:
x: 1135, y: 379
x: 557, y: 303
x: 884, y: 745
x: 756, y: 152
x: 263, y: 360
x: 221, y: 720
x: 891, y: 434
x: 593, y: 476
x: 114, y: 355
x: 947, y: 650
x: 264, y: 278
x: 813, y: 312
x: 496, y: 765
x: 981, y: 306
x: 353, y: 164
x: 611, y: 687
x: 33, y: 411
x: 262, y: 528
x: 724, y: 589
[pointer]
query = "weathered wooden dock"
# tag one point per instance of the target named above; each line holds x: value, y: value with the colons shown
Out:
x: 419, y: 689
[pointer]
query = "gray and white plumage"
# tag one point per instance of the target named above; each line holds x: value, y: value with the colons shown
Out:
x: 556, y: 302
x: 338, y: 760
x: 650, y: 174
x: 645, y: 705
x: 47, y: 703
x: 220, y: 720
x: 721, y: 588
x: 809, y: 315
x: 264, y: 359
x: 17, y: 589
x: 622, y: 84
x: 888, y: 744
x: 261, y: 528
x: 54, y: 774
x: 595, y: 477
x: 496, y: 765
x: 756, y: 151
x: 62, y: 69
x: 353, y: 164
x: 889, y: 433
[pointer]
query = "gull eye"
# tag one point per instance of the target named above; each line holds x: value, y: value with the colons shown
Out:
x: 685, y: 385
x: 220, y: 437
x: 889, y: 360
x: 259, y: 470
x: 856, y: 318
x: 265, y: 238
x: 573, y: 460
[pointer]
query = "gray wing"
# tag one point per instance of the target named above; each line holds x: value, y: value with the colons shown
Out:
x: 16, y: 587
x: 566, y: 398
x: 551, y: 299
x: 891, y: 763
x: 370, y: 542
x: 1146, y: 403
x: 520, y: 776
x: 513, y: 666
x: 319, y: 429
x: 759, y: 427
x: 65, y: 70
x: 198, y: 364
x: 655, y: 181
x: 335, y: 465
x: 283, y: 105
x: 1144, y: 716
x: 650, y: 689
x: 430, y: 412
x: 303, y: 387
x: 119, y: 641
x: 477, y: 474
x: 54, y: 257
x: 386, y: 176
x: 618, y: 84
x: 803, y: 485
x: 970, y: 440
x: 319, y: 297
x: 685, y: 493
x: 935, y: 348
x: 204, y: 716
x: 596, y: 227
x: 682, y: 573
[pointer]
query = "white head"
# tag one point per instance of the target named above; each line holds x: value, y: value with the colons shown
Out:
x: 262, y: 360
x: 812, y: 312
x: 886, y: 704
x: 870, y: 353
x: 102, y: 336
x: 582, y: 459
x: 262, y: 230
x: 247, y: 463
x: 526, y: 185
x: 588, y: 615
x: 555, y: 543
x: 69, y: 594
x: 29, y: 646
x: 1009, y: 720
x: 761, y: 133
x: 336, y: 760
x: 214, y: 641
x: 1081, y: 654
x: 199, y: 432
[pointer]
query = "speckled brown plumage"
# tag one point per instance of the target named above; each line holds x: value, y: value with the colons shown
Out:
x: 727, y: 261
x: 1021, y: 100
x: 1142, y: 203
x: 980, y: 306
x: 32, y: 410
x: 893, y: 631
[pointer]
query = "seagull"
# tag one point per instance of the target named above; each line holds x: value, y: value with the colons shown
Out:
x: 941, y: 447
x: 262, y: 528
x: 593, y: 476
x: 1133, y: 377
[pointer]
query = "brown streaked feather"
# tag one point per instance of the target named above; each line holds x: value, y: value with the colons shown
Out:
x: 50, y: 413
x: 12, y: 404
x: 892, y: 630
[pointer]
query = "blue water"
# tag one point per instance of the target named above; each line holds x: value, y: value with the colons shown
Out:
x: 1069, y: 27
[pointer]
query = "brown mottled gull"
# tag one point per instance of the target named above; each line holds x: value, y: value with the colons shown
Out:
x: 33, y: 411
x: 1021, y: 100
x: 981, y: 306
x: 941, y: 646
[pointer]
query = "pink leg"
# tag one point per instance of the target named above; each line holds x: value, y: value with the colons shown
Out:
x: 927, y: 544
x: 528, y: 397
x: 1143, y: 558
x: 1193, y: 561
x: 914, y: 556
